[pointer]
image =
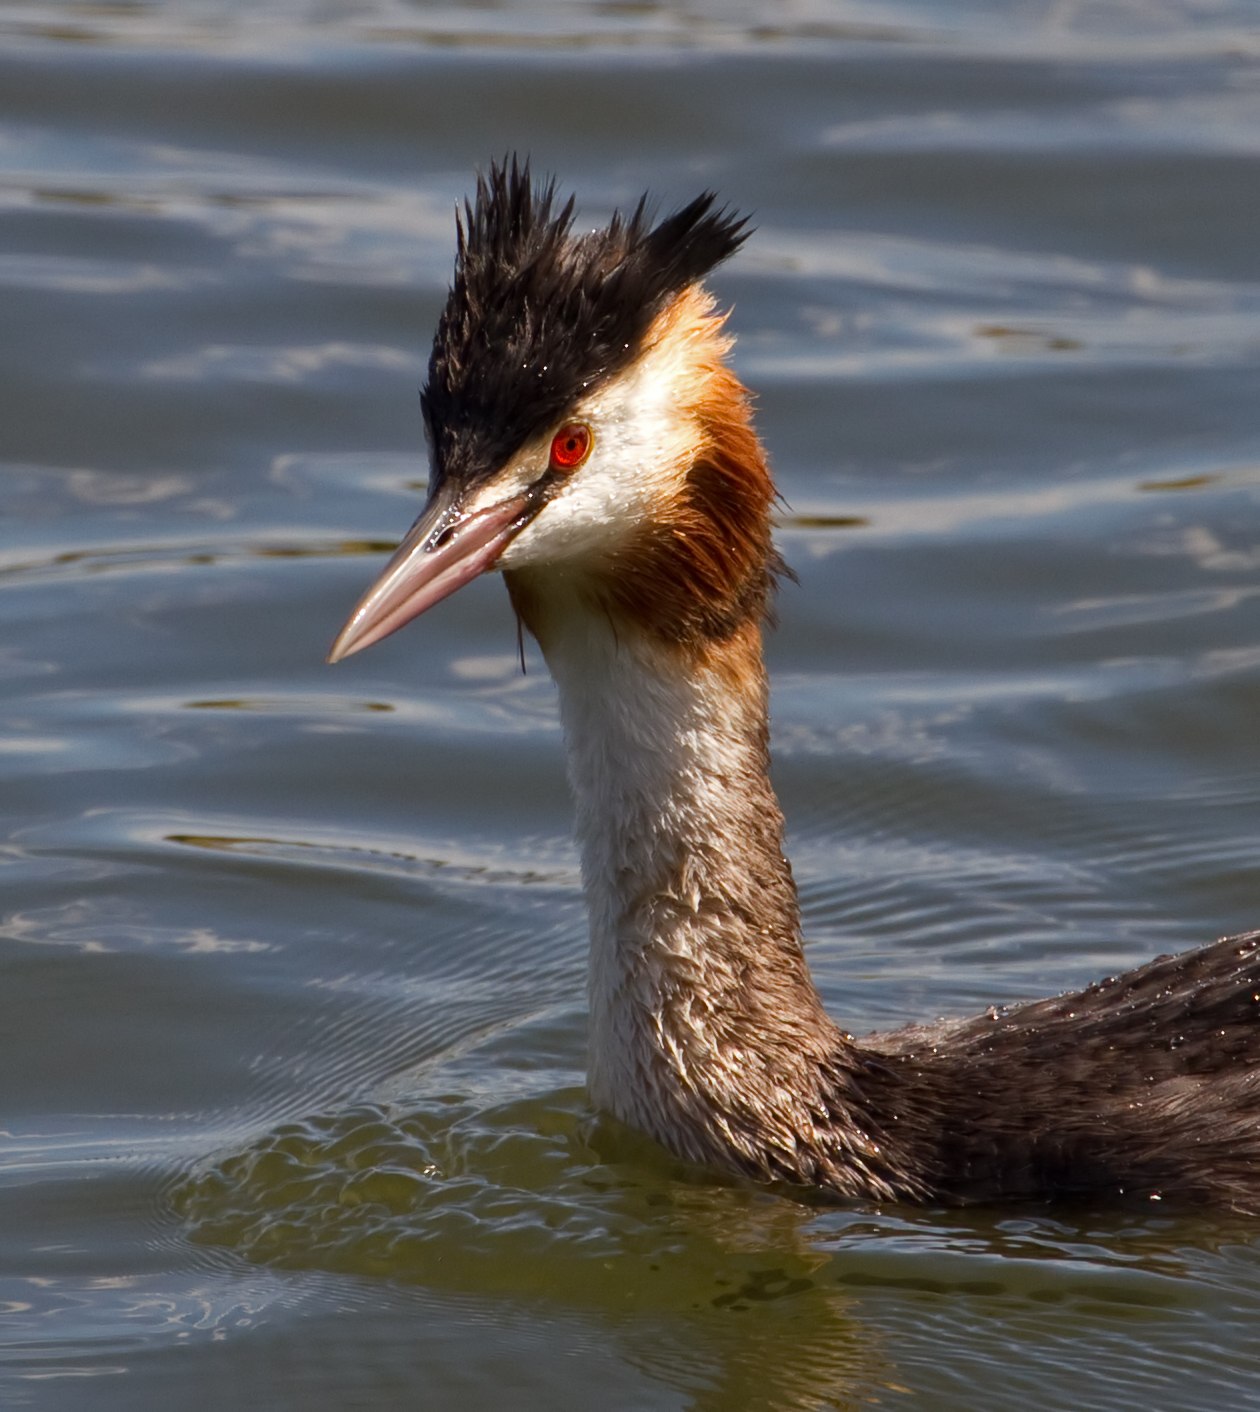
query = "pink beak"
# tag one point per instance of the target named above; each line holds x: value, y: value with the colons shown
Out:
x: 432, y: 562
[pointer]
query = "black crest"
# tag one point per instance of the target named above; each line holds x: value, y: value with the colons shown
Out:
x: 537, y: 315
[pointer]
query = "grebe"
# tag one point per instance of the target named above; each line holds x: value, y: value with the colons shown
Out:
x: 589, y: 440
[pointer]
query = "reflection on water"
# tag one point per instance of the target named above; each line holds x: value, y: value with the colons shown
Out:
x: 534, y: 1201
x: 292, y: 960
x: 515, y: 1200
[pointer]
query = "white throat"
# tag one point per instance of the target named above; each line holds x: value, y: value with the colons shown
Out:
x: 680, y: 840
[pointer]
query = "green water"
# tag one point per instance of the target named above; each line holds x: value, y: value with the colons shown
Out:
x: 292, y: 958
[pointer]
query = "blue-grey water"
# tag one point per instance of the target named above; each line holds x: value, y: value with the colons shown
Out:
x: 291, y: 958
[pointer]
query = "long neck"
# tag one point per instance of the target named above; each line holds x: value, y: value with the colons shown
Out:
x: 702, y: 1008
x: 694, y: 914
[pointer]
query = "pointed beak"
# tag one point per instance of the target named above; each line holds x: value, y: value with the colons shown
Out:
x: 442, y: 551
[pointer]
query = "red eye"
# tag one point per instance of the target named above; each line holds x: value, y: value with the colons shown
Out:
x: 570, y: 446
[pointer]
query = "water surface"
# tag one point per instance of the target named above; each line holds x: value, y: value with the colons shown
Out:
x: 293, y: 958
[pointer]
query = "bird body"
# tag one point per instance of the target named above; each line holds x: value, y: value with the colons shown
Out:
x: 591, y: 442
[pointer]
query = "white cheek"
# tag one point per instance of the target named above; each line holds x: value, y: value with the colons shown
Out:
x: 642, y: 445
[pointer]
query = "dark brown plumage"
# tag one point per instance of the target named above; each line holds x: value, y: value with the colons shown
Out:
x: 1144, y: 1086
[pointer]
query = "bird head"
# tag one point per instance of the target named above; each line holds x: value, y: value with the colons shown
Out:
x: 581, y: 417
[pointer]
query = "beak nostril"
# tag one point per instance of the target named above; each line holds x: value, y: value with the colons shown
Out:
x: 446, y: 529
